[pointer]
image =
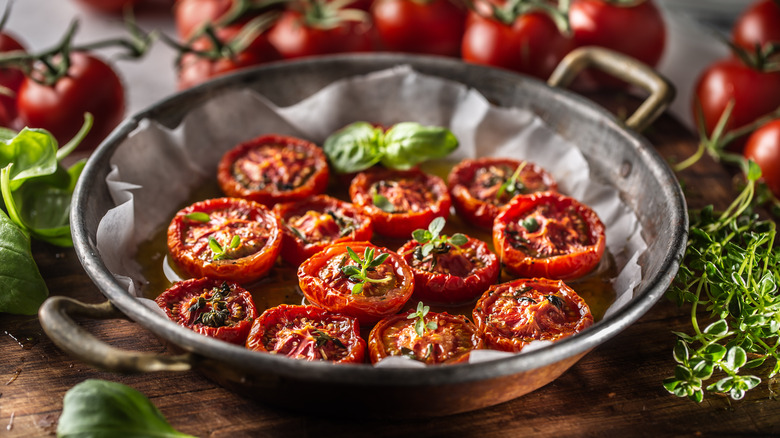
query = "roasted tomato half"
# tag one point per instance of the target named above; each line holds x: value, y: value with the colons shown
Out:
x: 307, y: 333
x: 480, y: 187
x: 400, y: 202
x: 211, y: 307
x: 449, y: 273
x: 548, y: 235
x: 308, y: 226
x: 225, y: 238
x: 432, y: 338
x: 357, y: 279
x: 273, y: 168
x: 511, y: 315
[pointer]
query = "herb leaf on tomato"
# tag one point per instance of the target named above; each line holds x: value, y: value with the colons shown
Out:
x: 359, y: 274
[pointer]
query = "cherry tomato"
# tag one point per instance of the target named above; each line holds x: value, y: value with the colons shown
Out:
x: 89, y: 86
x: 191, y: 15
x: 324, y: 283
x: 754, y: 93
x: 420, y: 26
x: 763, y: 147
x: 273, y: 168
x: 757, y: 26
x: 294, y: 37
x: 307, y: 333
x: 110, y: 6
x: 548, y: 235
x: 451, y: 274
x: 309, y: 225
x: 225, y: 238
x: 11, y: 79
x: 531, y: 44
x: 480, y: 187
x: 450, y: 341
x: 196, y: 68
x: 511, y: 315
x: 211, y: 307
x: 400, y: 202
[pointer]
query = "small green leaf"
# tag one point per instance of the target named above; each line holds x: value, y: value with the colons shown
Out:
x: 459, y: 239
x: 357, y: 289
x: 350, y: 270
x: 419, y: 327
x: 198, y: 216
x: 379, y: 260
x: 384, y: 204
x: 530, y: 224
x: 735, y: 358
x: 354, y: 256
x: 421, y: 236
x: 436, y: 226
x: 215, y: 247
x: 718, y: 328
x: 754, y: 171
x: 681, y: 352
x: 235, y: 242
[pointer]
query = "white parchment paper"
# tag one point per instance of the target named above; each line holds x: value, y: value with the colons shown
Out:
x: 155, y: 169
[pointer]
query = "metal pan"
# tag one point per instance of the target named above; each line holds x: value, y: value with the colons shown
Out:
x: 616, y: 153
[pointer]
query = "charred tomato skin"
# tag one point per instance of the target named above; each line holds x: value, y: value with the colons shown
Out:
x: 511, y: 315
x: 181, y: 303
x: 274, y: 157
x: 451, y: 342
x: 433, y: 201
x: 559, y: 217
x: 323, y: 284
x: 307, y: 332
x: 324, y: 214
x: 257, y: 227
x: 471, y: 200
x: 460, y: 275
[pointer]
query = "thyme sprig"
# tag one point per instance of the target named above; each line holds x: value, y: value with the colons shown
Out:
x: 359, y: 274
x: 512, y: 185
x: 220, y: 252
x: 420, y: 325
x: 432, y: 241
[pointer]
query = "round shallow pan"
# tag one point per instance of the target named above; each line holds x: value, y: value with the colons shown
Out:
x: 616, y: 153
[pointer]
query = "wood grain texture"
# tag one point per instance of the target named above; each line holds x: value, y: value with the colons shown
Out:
x: 614, y: 391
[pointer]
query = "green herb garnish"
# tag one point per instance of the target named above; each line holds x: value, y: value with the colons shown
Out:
x: 512, y: 185
x: 420, y: 326
x: 431, y: 240
x: 221, y: 253
x: 198, y: 216
x: 530, y: 224
x: 384, y: 204
x: 359, y: 274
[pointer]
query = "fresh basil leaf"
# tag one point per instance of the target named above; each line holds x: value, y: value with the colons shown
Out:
x: 33, y: 153
x: 354, y: 148
x: 408, y: 144
x: 23, y: 289
x: 99, y: 408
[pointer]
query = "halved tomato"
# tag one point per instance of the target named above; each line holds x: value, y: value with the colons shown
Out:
x: 215, y: 308
x: 308, y: 226
x: 225, y: 238
x: 445, y: 339
x: 548, y: 235
x: 480, y: 187
x: 400, y: 202
x: 273, y: 168
x: 380, y: 287
x: 511, y: 315
x: 307, y: 333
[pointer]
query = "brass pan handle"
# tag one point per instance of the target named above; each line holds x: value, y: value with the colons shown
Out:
x: 622, y: 67
x: 55, y: 318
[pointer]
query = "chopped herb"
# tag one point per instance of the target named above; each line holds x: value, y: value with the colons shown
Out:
x: 322, y: 338
x: 512, y: 185
x: 359, y: 274
x: 221, y: 253
x: 420, y: 326
x: 530, y: 224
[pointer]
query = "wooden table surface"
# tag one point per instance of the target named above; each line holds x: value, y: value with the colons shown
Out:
x: 616, y: 390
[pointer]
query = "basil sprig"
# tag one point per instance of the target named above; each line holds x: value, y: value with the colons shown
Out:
x: 361, y: 145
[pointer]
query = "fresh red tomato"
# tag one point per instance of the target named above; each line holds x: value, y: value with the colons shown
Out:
x: 211, y: 307
x: 400, y: 202
x: 310, y: 225
x: 754, y: 93
x: 530, y: 44
x: 446, y: 339
x: 420, y: 26
x: 763, y: 147
x: 110, y: 6
x: 326, y: 281
x: 548, y: 235
x: 225, y: 238
x: 11, y: 80
x: 307, y: 333
x: 297, y: 35
x: 480, y: 187
x: 511, y: 315
x: 89, y: 86
x: 206, y: 63
x: 451, y: 274
x: 191, y: 15
x: 757, y: 26
x: 273, y: 168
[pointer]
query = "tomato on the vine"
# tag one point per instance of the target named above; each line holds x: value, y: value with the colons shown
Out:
x: 273, y: 168
x: 307, y: 333
x: 211, y: 307
x: 90, y: 85
x: 758, y: 26
x: 420, y: 26
x: 10, y: 79
x: 377, y: 286
x: 763, y: 147
x: 511, y: 315
x: 548, y: 235
x: 225, y: 238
